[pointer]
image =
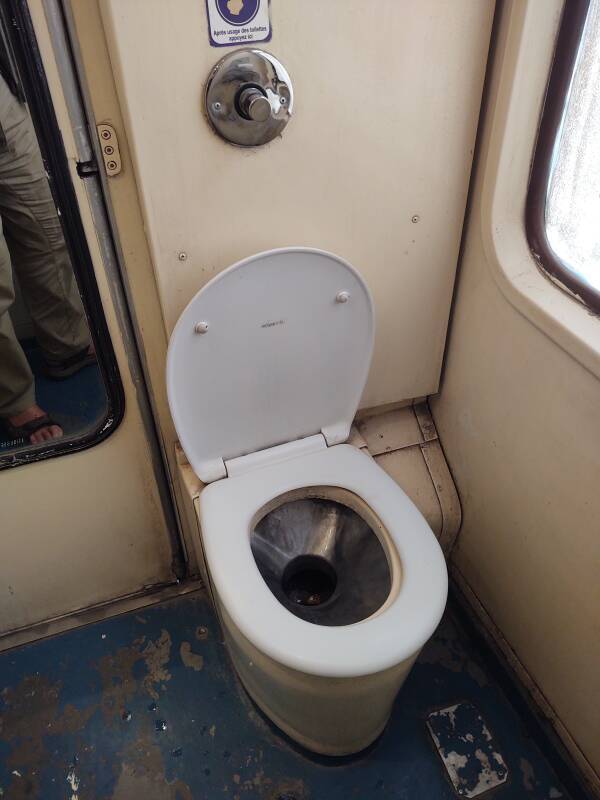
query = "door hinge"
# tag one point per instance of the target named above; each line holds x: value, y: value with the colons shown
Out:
x: 110, y: 149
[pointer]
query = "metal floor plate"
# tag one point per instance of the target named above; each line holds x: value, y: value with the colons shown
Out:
x: 467, y: 749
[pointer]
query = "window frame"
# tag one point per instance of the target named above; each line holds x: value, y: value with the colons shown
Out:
x: 569, y: 37
x: 33, y: 78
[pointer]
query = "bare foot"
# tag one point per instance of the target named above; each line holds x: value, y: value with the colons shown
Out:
x: 45, y: 434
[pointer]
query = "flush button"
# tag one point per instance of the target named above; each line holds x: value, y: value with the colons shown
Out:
x: 254, y: 105
x: 249, y: 97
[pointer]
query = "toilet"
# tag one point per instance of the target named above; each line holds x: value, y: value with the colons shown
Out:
x: 326, y: 578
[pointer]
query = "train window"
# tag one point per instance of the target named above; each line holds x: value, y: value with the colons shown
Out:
x: 59, y: 386
x: 564, y: 197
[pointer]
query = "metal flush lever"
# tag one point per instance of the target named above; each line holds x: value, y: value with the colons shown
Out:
x: 248, y: 97
x: 254, y: 104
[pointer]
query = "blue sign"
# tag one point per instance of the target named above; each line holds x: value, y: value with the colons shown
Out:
x: 238, y: 12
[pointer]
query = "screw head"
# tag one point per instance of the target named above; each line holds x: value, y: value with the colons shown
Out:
x: 217, y: 106
x: 283, y: 100
x: 111, y: 164
x: 182, y: 255
x: 415, y: 218
x: 201, y: 327
x: 105, y: 134
x: 342, y: 297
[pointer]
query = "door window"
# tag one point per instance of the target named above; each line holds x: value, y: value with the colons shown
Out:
x: 59, y: 385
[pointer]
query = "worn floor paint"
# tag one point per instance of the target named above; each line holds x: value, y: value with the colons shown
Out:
x: 146, y: 706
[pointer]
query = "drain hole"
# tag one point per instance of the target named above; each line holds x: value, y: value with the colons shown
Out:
x: 309, y: 580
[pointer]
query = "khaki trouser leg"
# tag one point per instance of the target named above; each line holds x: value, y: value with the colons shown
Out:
x: 37, y: 247
x: 16, y: 380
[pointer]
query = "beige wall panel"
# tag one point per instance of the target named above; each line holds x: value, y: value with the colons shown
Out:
x: 518, y: 418
x: 387, y: 101
x: 519, y: 423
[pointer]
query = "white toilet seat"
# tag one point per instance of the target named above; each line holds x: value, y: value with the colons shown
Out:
x: 227, y: 509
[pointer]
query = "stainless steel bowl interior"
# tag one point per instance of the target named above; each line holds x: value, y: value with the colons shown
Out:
x: 321, y: 560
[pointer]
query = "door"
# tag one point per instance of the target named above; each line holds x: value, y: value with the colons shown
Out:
x: 85, y: 509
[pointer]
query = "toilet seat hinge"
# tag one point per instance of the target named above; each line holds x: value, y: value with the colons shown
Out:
x: 273, y: 455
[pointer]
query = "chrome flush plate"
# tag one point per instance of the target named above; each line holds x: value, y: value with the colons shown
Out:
x: 249, y: 97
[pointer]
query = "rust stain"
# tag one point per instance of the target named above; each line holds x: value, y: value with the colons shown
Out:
x: 264, y: 787
x: 31, y: 714
x: 290, y: 787
x: 142, y: 775
x: 259, y: 782
x: 156, y: 655
x: 192, y: 660
x: 119, y: 684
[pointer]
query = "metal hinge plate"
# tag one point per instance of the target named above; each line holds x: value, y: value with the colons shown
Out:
x: 110, y: 149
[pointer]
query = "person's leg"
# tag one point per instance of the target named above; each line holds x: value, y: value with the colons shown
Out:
x: 35, y: 239
x: 17, y: 394
x: 16, y: 379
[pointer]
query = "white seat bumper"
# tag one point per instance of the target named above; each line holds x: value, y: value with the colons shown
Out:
x: 228, y: 508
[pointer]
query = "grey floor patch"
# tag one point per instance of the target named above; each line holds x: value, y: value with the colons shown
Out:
x: 467, y: 749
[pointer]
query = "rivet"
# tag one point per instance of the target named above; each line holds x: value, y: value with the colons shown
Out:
x: 182, y: 255
x: 216, y: 106
x: 342, y: 297
x: 415, y: 218
x: 201, y: 327
x: 282, y: 100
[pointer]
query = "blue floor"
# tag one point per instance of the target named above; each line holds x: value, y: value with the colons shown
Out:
x: 146, y: 706
x: 77, y: 403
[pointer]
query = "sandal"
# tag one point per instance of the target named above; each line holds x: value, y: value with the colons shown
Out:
x: 27, y: 429
x: 59, y: 370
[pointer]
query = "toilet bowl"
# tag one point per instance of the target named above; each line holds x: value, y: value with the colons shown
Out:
x: 325, y: 576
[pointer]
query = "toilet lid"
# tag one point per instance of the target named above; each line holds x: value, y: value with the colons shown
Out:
x: 285, y: 352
